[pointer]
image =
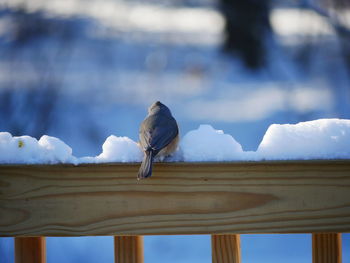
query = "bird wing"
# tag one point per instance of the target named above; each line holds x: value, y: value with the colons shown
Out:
x: 157, y: 131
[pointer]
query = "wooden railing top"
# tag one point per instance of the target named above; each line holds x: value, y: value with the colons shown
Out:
x: 180, y: 198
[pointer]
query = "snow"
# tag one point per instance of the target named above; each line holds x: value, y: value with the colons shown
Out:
x: 267, y: 100
x: 28, y: 150
x: 295, y: 21
x: 208, y: 144
x: 55, y: 151
x: 117, y: 149
x: 318, y: 139
x: 126, y: 16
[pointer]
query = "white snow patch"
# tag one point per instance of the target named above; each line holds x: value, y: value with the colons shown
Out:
x: 28, y: 150
x: 55, y: 151
x: 117, y: 149
x: 129, y: 16
x: 208, y: 144
x: 296, y: 21
x: 319, y: 139
x: 237, y: 106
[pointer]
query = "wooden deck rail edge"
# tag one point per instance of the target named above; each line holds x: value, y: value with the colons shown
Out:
x: 180, y: 198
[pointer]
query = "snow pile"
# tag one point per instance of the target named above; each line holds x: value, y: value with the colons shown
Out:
x: 208, y: 144
x: 26, y: 149
x: 117, y: 149
x: 319, y: 139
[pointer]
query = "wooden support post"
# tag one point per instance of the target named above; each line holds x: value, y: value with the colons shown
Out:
x: 226, y: 248
x: 326, y: 248
x: 128, y: 249
x: 30, y: 250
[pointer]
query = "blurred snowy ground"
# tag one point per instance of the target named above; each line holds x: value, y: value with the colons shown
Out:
x: 82, y: 70
x: 116, y: 58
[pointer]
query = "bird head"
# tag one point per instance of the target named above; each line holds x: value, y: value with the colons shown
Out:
x: 158, y: 107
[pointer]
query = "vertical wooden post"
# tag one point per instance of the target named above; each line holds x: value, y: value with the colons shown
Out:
x: 128, y: 249
x: 30, y: 250
x: 226, y: 248
x: 326, y: 248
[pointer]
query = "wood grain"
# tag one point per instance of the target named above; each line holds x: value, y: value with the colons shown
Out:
x: 326, y: 248
x: 180, y: 198
x: 226, y: 248
x: 30, y: 250
x: 128, y: 249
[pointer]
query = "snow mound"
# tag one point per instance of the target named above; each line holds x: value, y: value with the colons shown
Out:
x: 26, y: 149
x: 119, y: 149
x: 208, y: 144
x: 319, y: 139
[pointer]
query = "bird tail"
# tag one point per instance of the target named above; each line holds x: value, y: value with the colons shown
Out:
x: 145, y: 170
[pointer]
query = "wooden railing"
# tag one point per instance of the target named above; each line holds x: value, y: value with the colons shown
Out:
x: 220, y: 199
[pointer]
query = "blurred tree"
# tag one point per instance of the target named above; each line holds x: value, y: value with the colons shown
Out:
x: 247, y: 25
x: 337, y: 12
x: 27, y: 107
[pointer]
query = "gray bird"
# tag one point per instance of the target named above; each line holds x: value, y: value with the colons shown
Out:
x: 159, y: 136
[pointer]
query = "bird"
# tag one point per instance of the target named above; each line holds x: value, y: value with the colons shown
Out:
x: 159, y: 137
